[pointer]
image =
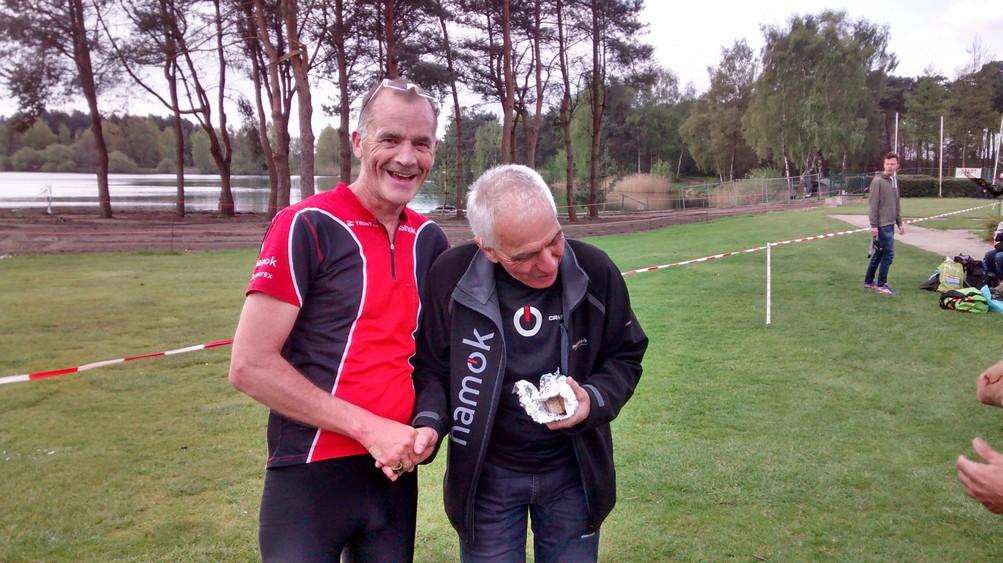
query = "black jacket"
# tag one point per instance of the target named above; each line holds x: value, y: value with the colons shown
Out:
x: 460, y: 366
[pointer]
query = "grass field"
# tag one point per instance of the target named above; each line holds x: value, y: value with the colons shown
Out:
x: 981, y: 222
x: 830, y: 435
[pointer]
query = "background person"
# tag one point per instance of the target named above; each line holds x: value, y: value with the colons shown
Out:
x: 324, y: 341
x: 884, y: 213
x: 984, y: 481
x: 520, y: 302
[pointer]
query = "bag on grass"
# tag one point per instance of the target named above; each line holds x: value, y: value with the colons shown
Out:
x: 966, y: 299
x: 952, y: 275
x: 995, y: 305
x: 975, y: 271
x: 931, y: 282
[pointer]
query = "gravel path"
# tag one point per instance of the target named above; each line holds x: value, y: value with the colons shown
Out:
x: 945, y: 242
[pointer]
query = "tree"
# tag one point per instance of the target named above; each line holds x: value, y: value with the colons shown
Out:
x: 46, y: 46
x: 970, y: 102
x: 613, y: 29
x: 464, y: 145
x: 157, y: 27
x: 924, y: 106
x: 487, y: 147
x: 327, y: 149
x: 38, y: 136
x: 567, y: 37
x: 141, y: 141
x: 814, y: 96
x: 201, y: 151
x: 713, y: 130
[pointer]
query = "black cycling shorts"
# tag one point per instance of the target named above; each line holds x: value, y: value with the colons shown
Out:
x: 343, y: 506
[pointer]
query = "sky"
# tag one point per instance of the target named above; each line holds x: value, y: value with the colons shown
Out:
x: 688, y: 37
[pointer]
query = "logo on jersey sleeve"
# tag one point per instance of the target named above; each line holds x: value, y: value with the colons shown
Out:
x: 262, y: 266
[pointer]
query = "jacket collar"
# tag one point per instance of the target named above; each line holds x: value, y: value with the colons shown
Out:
x: 476, y: 289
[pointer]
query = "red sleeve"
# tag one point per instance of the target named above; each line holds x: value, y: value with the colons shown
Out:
x: 273, y: 272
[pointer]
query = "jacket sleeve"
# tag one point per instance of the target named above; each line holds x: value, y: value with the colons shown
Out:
x: 874, y: 201
x: 431, y: 361
x: 617, y: 369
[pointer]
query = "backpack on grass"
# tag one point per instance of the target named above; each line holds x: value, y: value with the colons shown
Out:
x: 952, y: 275
x: 966, y: 299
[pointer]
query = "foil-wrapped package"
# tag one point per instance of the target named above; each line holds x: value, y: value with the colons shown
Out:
x: 552, y: 401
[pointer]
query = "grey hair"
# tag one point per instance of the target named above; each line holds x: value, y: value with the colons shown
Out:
x: 509, y: 186
x: 399, y: 87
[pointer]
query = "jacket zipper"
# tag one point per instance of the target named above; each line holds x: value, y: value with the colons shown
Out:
x: 393, y: 266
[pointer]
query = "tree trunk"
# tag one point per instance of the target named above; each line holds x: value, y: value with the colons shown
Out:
x: 460, y: 180
x: 253, y: 45
x: 82, y: 59
x: 598, y: 106
x: 223, y: 160
x: 565, y: 115
x: 533, y: 133
x: 170, y: 75
x: 179, y: 147
x: 388, y: 30
x: 280, y: 151
x: 298, y: 59
x: 345, y: 109
x: 508, y: 100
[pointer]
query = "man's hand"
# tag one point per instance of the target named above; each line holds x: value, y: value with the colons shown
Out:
x: 983, y: 481
x: 989, y: 389
x: 901, y: 229
x: 424, y: 444
x: 390, y: 443
x: 584, y: 406
x: 874, y: 231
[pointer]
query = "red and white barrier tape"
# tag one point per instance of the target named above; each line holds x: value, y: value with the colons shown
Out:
x: 794, y: 240
x: 227, y: 342
x: 85, y: 367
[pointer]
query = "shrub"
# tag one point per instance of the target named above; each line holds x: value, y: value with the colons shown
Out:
x: 119, y: 163
x: 764, y: 172
x: 27, y: 159
x: 663, y: 169
x: 59, y: 158
x: 926, y: 186
x: 166, y: 166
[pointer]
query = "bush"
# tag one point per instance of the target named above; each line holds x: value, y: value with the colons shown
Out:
x: 4, y: 163
x: 926, y: 186
x: 764, y: 172
x: 166, y: 166
x: 27, y: 159
x: 119, y: 163
x: 663, y: 169
x: 59, y: 158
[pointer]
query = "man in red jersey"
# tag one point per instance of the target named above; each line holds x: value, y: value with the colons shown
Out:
x: 325, y: 340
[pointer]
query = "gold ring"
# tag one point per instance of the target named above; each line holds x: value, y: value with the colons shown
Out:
x: 398, y: 468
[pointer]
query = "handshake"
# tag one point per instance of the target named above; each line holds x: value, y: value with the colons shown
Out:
x: 398, y: 448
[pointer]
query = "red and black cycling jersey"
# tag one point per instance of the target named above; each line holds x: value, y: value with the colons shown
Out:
x: 357, y: 289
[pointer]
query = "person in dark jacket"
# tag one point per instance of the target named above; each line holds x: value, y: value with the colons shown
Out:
x: 993, y: 260
x: 520, y: 302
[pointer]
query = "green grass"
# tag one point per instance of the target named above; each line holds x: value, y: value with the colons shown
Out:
x: 913, y: 208
x: 830, y: 435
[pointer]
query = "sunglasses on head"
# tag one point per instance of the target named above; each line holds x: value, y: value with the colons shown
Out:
x: 401, y: 86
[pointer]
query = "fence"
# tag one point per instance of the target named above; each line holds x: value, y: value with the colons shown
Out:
x: 741, y: 193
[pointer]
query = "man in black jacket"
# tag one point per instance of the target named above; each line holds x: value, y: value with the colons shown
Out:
x: 521, y: 302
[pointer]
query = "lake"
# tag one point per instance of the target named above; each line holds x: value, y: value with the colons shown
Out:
x: 151, y: 192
